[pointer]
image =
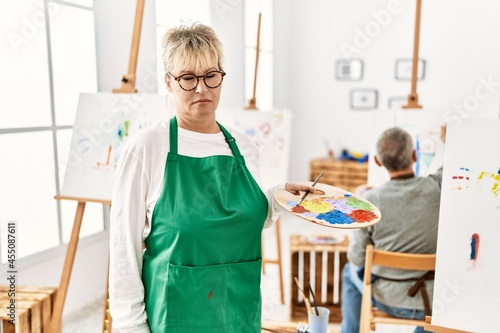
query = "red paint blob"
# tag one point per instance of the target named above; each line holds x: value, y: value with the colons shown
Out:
x: 362, y: 215
x: 299, y: 209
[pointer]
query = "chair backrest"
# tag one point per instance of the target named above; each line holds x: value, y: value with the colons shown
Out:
x: 408, y: 261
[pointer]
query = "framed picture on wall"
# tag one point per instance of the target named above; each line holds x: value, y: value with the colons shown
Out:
x: 404, y: 67
x: 349, y: 69
x: 397, y: 102
x: 364, y: 99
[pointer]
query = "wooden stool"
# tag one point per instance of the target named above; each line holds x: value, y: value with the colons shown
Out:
x: 336, y: 258
x: 33, y: 309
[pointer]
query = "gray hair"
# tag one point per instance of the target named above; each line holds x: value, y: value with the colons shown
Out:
x: 395, y: 149
x: 191, y: 45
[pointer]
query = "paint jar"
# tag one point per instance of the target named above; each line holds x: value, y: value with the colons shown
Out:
x: 319, y: 324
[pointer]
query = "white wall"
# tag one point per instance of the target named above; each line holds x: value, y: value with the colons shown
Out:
x: 458, y: 40
x: 228, y: 21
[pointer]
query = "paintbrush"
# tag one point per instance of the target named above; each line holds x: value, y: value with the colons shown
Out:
x: 307, y: 192
x: 306, y: 300
x: 314, y: 300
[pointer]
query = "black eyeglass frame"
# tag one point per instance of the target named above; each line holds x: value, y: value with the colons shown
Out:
x: 198, y: 77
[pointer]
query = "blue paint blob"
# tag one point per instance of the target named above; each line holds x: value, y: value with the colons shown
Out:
x: 291, y: 203
x: 347, y: 195
x: 465, y: 169
x: 472, y: 249
x: 474, y: 246
x: 335, y: 217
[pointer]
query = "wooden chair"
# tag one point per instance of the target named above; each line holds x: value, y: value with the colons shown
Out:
x: 370, y: 315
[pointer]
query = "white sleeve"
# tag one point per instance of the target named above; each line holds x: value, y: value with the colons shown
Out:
x: 128, y: 218
x: 274, y: 209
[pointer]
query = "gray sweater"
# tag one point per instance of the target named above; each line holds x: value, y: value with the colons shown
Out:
x: 409, y: 224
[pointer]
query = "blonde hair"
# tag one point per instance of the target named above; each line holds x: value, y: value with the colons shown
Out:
x: 191, y: 45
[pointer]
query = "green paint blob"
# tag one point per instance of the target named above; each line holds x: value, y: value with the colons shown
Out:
x: 359, y: 204
x: 126, y: 126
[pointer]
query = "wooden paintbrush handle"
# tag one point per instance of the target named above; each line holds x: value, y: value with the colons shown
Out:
x: 308, y: 305
x: 306, y: 300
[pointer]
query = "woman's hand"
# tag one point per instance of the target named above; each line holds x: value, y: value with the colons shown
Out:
x: 294, y: 188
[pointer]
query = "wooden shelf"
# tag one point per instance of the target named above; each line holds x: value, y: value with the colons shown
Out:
x: 336, y: 258
x: 346, y: 174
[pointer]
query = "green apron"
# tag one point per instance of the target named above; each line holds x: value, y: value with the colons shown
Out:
x: 203, y: 261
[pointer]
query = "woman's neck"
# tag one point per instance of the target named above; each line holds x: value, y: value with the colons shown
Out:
x: 206, y: 125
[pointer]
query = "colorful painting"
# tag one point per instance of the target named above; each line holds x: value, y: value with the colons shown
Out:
x: 331, y: 207
x: 271, y: 132
x: 425, y: 128
x: 467, y: 267
x: 103, y: 124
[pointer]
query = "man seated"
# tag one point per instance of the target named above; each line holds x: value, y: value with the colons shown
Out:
x: 409, y: 224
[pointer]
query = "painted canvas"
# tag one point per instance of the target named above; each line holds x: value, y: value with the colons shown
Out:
x: 271, y: 131
x: 425, y: 128
x: 467, y: 268
x: 103, y: 124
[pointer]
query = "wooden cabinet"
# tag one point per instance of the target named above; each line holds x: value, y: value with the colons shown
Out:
x: 340, y: 173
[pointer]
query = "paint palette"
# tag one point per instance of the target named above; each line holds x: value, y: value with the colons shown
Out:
x: 330, y: 207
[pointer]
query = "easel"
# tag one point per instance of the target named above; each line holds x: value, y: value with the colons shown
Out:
x: 252, y: 102
x: 276, y: 261
x: 56, y: 319
x: 413, y: 96
x: 128, y: 80
x: 439, y: 329
x: 128, y: 86
x: 252, y: 106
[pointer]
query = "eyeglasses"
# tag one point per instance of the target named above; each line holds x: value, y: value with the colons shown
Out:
x: 189, y: 82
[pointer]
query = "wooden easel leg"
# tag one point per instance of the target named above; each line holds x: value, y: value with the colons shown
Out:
x: 106, y: 321
x: 280, y: 266
x: 275, y: 261
x: 56, y: 320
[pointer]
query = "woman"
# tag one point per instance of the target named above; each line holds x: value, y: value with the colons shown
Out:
x: 189, y: 189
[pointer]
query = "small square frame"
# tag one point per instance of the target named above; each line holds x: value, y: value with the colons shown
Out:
x: 349, y: 69
x: 403, y: 69
x: 363, y: 99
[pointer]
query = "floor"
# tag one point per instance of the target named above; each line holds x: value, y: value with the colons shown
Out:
x: 89, y: 318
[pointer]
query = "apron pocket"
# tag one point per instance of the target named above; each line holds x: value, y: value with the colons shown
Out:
x: 216, y: 296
